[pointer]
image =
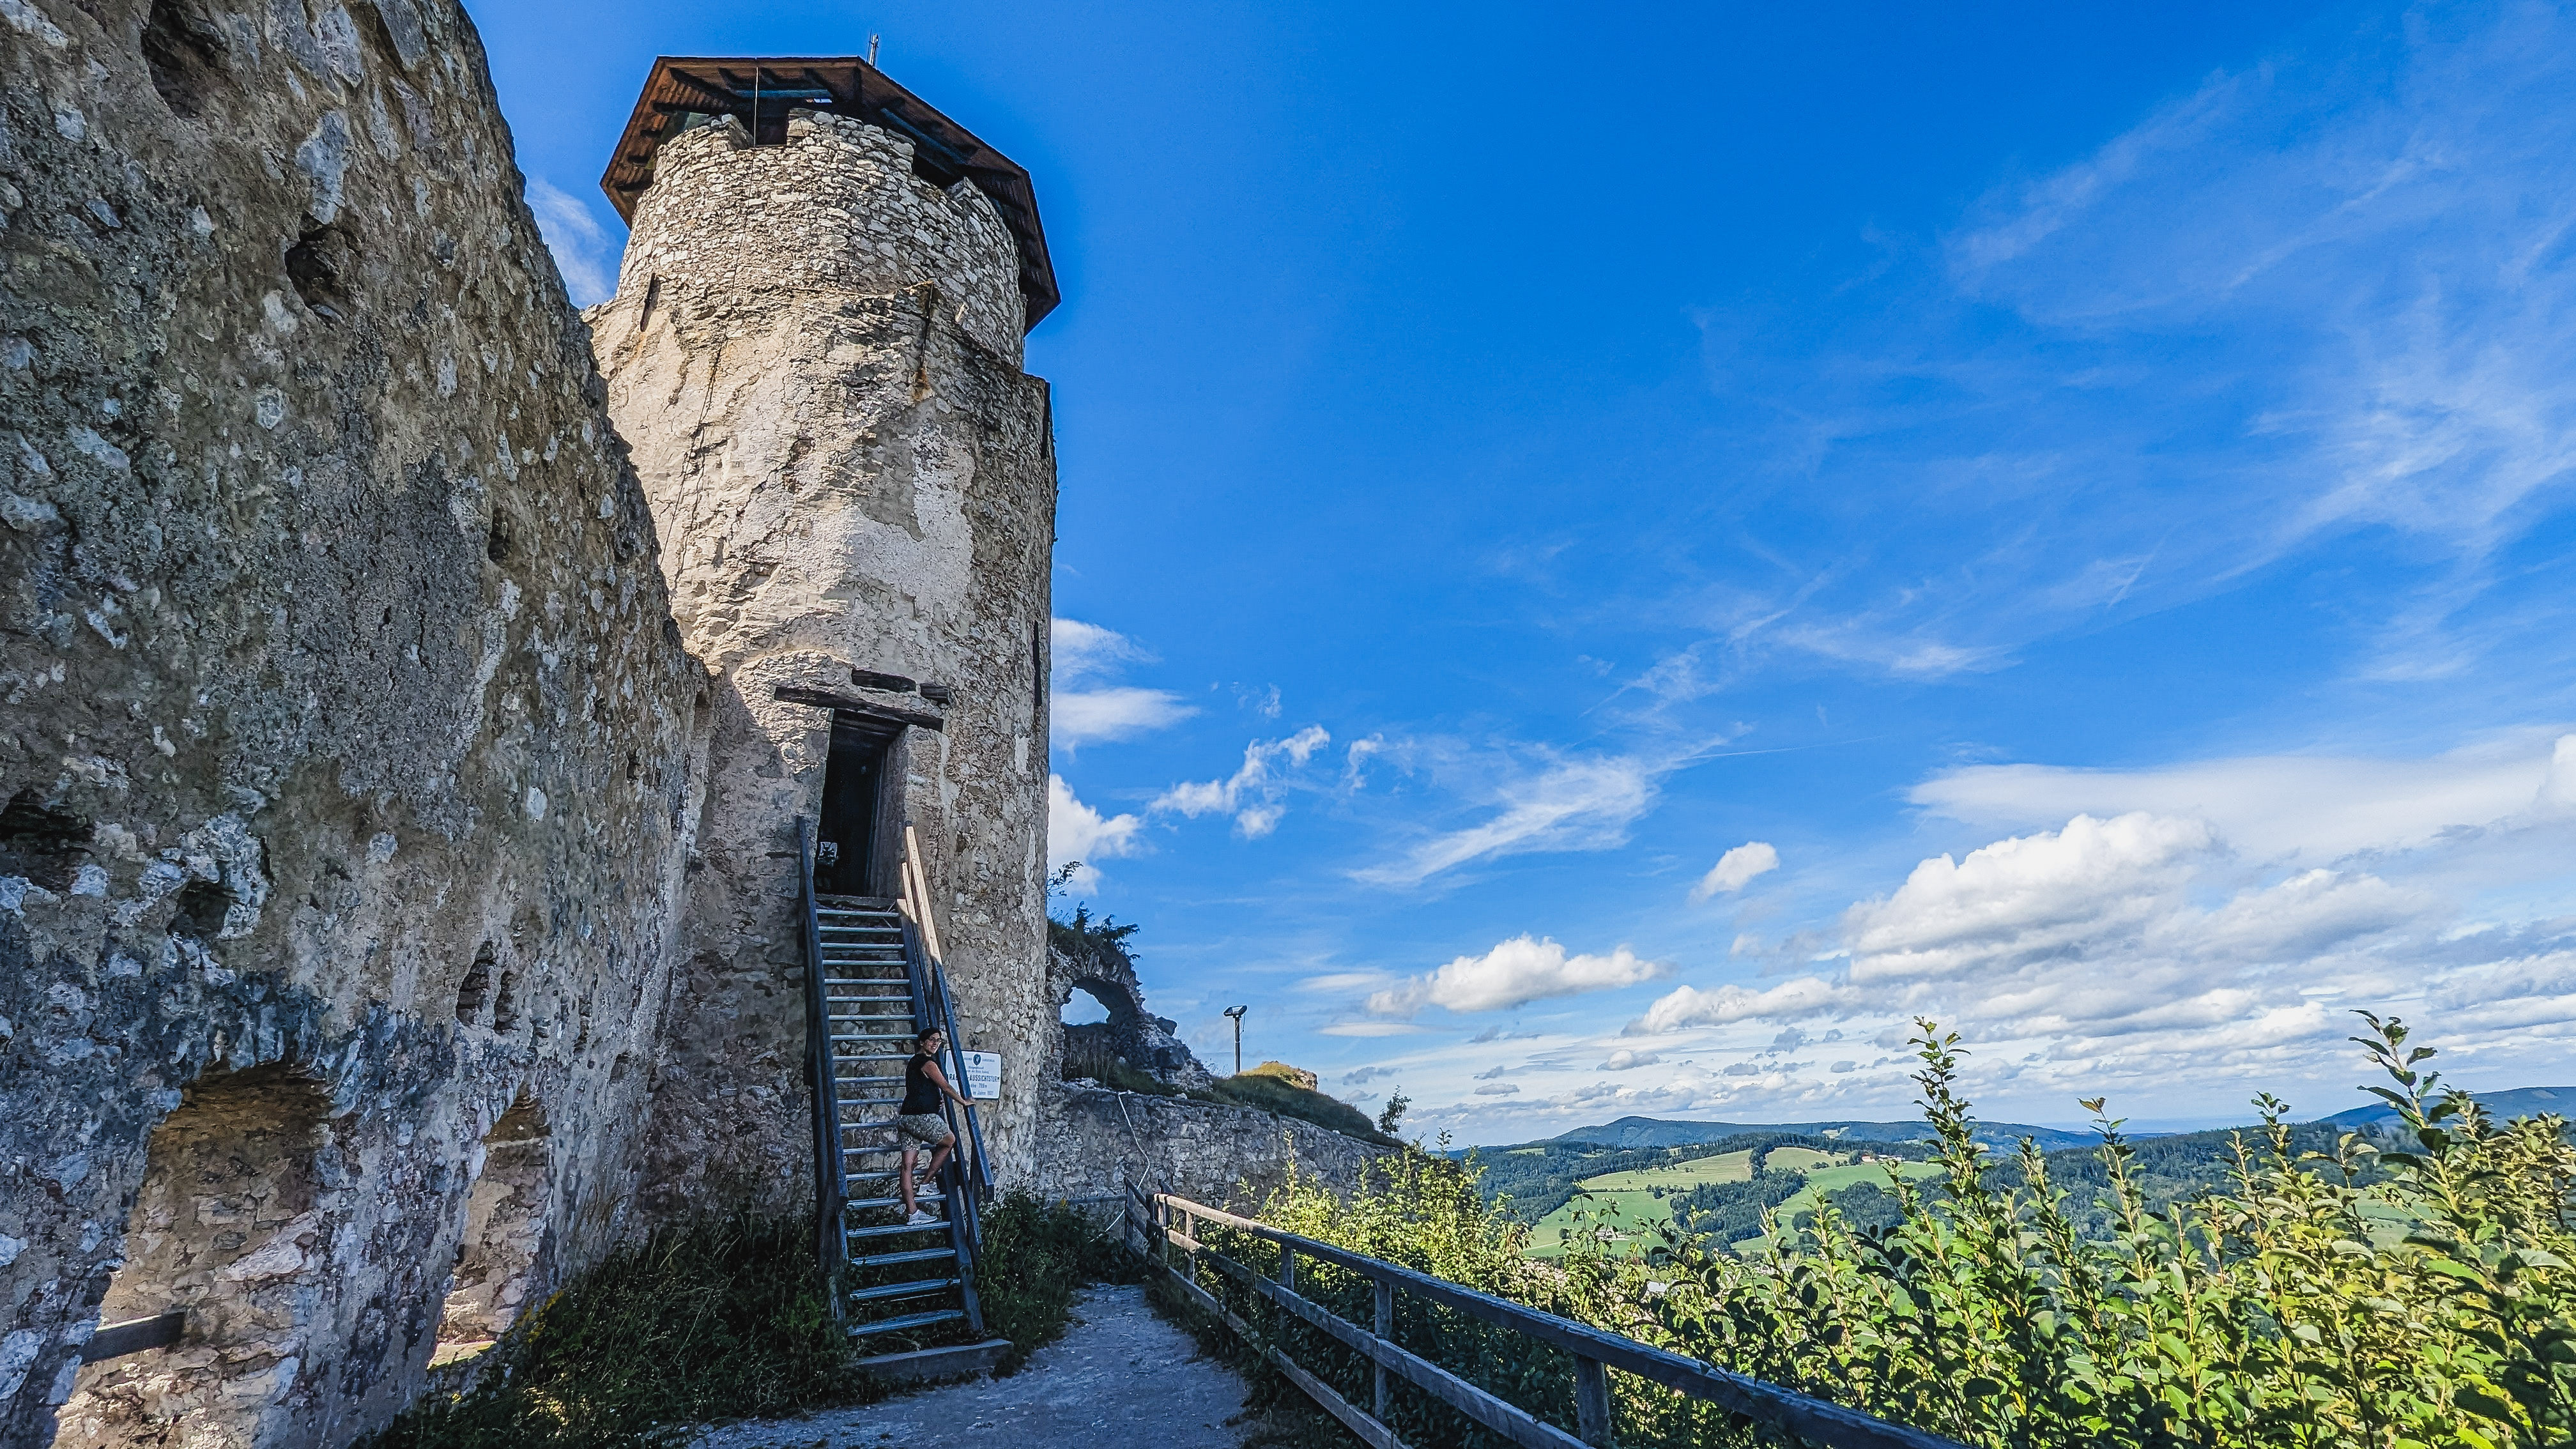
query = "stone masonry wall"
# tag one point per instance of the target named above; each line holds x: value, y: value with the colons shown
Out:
x: 1091, y: 1140
x: 344, y: 741
x: 816, y: 356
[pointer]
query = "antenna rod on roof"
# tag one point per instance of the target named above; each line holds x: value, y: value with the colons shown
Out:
x: 872, y: 48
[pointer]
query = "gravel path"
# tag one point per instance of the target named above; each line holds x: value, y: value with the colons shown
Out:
x: 1120, y: 1376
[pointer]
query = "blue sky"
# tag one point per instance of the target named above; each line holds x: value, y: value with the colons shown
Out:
x: 1609, y: 559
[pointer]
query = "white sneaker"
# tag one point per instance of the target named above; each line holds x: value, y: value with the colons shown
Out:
x: 919, y: 1219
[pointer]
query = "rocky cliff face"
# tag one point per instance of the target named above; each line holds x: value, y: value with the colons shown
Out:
x: 816, y: 355
x: 344, y: 739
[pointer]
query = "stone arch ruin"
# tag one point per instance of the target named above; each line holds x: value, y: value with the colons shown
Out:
x: 1142, y: 1040
x: 233, y: 1225
x: 500, y: 1255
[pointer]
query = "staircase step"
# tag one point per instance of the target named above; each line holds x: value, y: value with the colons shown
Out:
x: 896, y: 1202
x: 909, y: 1320
x: 898, y: 1228
x: 916, y: 1255
x: 902, y: 1290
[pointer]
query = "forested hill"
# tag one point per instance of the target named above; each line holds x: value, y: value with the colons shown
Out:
x: 2503, y: 1106
x: 1635, y: 1132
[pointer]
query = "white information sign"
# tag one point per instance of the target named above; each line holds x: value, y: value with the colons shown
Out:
x: 981, y: 1073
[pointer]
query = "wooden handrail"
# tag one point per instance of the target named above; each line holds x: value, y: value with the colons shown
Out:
x: 933, y: 1006
x: 1819, y: 1421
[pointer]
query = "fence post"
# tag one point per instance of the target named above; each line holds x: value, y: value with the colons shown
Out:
x: 1592, y: 1403
x: 1386, y: 1331
x: 1288, y: 1267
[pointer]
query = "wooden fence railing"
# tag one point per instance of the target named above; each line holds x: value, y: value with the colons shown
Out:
x: 1165, y: 1223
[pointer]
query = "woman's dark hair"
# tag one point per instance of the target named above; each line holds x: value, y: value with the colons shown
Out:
x: 925, y: 1034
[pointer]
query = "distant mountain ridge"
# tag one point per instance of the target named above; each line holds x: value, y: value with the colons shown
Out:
x: 1630, y: 1132
x: 1660, y: 1132
x: 2519, y: 1102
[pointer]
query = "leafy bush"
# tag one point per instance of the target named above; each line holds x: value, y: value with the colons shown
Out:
x: 1037, y: 1255
x: 2351, y: 1296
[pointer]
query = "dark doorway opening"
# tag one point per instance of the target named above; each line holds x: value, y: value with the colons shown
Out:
x: 848, y: 860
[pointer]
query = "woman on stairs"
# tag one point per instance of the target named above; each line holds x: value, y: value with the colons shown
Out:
x: 918, y: 1120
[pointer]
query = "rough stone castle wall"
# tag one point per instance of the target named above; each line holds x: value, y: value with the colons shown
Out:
x: 815, y: 355
x: 344, y: 742
x: 1091, y: 1141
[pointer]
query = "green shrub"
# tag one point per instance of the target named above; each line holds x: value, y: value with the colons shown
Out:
x: 1037, y: 1256
x: 2385, y: 1299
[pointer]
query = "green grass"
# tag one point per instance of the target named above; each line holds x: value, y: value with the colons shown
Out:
x: 725, y: 1320
x: 1801, y: 1159
x: 710, y: 1320
x: 1632, y: 1194
x: 1725, y: 1167
x: 1271, y: 1093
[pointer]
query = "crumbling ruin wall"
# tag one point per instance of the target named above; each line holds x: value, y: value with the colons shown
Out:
x: 816, y: 356
x: 1132, y: 1034
x: 344, y: 741
x: 1091, y: 1140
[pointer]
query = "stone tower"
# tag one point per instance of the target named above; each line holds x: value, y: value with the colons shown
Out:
x: 815, y: 354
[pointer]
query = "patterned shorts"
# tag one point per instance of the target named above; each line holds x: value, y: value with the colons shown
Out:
x: 926, y: 1127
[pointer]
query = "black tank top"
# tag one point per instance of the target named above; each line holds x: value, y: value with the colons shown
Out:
x: 920, y: 1094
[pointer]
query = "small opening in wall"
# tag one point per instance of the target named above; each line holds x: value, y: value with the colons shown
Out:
x: 319, y: 264
x: 185, y: 54
x: 1082, y: 1008
x: 499, y: 1253
x: 43, y: 845
x: 476, y: 987
x: 232, y: 1228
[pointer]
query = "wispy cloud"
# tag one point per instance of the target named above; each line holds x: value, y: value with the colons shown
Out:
x: 1252, y: 793
x: 2318, y: 807
x: 1584, y: 802
x: 579, y: 243
x: 1083, y: 708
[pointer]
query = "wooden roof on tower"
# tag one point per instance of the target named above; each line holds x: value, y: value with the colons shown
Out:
x: 685, y: 87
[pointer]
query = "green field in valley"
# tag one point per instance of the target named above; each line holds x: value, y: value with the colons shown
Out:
x: 1633, y: 1194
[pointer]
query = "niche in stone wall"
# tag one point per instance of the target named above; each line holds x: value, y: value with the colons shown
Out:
x: 232, y: 1226
x: 498, y: 1256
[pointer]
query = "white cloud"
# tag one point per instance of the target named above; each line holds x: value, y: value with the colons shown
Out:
x: 2107, y: 948
x: 1075, y: 831
x: 1078, y: 717
x: 2027, y: 899
x: 1498, y: 1089
x: 1627, y: 1060
x: 1251, y: 793
x: 1076, y: 650
x: 580, y: 245
x: 1688, y: 1006
x: 1576, y: 804
x: 2314, y: 806
x: 1083, y: 710
x: 1736, y: 869
x: 1518, y: 971
x: 1369, y: 1028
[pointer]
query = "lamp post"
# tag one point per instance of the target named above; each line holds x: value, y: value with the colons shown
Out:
x: 1237, y: 1013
